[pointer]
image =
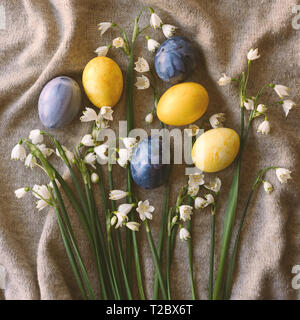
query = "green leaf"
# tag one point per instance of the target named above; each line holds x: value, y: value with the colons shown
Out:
x: 227, y: 232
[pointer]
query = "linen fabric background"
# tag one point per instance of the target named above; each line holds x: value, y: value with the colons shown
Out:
x: 45, y: 39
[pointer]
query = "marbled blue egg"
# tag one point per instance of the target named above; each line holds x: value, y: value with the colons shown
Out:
x: 146, y: 173
x: 59, y: 102
x: 175, y: 59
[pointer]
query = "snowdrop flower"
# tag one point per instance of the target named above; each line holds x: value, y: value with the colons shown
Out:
x: 125, y: 208
x: 129, y: 143
x: 124, y: 156
x: 104, y: 26
x: 90, y: 159
x: 193, y: 190
x: 142, y: 82
x: 200, y: 203
x: 102, y: 51
x: 283, y: 175
x: 89, y: 114
x: 152, y: 45
x: 209, y: 199
x: 113, y: 220
x: 122, y: 213
x: 94, y: 177
x: 121, y: 218
x: 101, y: 152
x: 41, y: 204
x: 268, y: 187
x: 134, y: 226
x: 30, y: 161
x: 214, y: 185
x: 264, y: 127
x: 149, y: 118
x: 193, y: 130
x: 184, y: 234
x: 249, y: 104
x: 216, y: 120
x: 141, y: 65
x: 145, y: 210
x: 185, y: 212
x: 196, y: 179
x: 287, y: 106
x: 35, y: 136
x: 117, y: 194
x: 224, y: 80
x: 118, y: 42
x: 253, y: 54
x: 155, y: 21
x: 69, y: 154
x: 106, y: 113
x: 41, y: 192
x: 45, y: 150
x: 168, y: 30
x: 174, y: 220
x: 21, y: 192
x: 88, y: 141
x: 282, y: 91
x: 261, y: 108
x: 18, y: 152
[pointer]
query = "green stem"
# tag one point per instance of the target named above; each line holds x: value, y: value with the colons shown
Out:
x: 190, y: 250
x: 211, y: 259
x: 161, y: 237
x: 155, y: 260
x: 66, y: 221
x: 131, y: 238
x: 168, y: 257
x: 70, y: 255
x: 120, y: 249
x: 95, y: 238
x: 257, y: 181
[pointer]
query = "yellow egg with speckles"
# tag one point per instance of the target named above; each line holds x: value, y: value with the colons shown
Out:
x: 102, y: 81
x: 182, y: 104
x: 216, y: 149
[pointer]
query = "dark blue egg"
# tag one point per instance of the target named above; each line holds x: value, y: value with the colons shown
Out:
x: 59, y: 102
x: 147, y: 168
x: 175, y: 59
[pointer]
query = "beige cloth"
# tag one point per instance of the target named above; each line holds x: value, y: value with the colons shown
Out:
x: 44, y: 39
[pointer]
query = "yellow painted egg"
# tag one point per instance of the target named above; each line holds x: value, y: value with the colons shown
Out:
x: 215, y: 149
x: 182, y: 104
x: 102, y: 81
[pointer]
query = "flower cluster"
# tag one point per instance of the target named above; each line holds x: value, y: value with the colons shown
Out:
x: 195, y: 181
x: 250, y: 103
x: 102, y: 151
x: 120, y: 218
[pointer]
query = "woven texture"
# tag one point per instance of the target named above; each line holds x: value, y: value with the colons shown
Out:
x: 45, y: 39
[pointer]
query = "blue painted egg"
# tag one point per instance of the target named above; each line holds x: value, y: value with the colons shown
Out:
x: 59, y: 102
x: 175, y: 59
x: 147, y: 168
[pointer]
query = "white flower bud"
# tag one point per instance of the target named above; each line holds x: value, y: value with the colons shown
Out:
x: 149, y: 118
x: 184, y: 234
x: 264, y: 127
x: 94, y: 177
x: 268, y: 187
x: 253, y: 54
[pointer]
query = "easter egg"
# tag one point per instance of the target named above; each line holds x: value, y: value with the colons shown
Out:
x: 59, y: 102
x: 182, y: 104
x: 147, y: 168
x: 175, y: 59
x: 102, y: 81
x: 215, y: 149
